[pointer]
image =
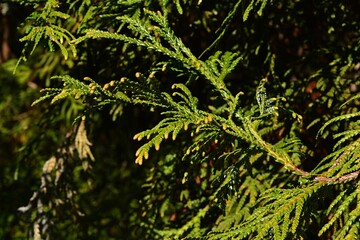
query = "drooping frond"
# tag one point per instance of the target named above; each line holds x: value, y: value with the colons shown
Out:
x: 47, y: 29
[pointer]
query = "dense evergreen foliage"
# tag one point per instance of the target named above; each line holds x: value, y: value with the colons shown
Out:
x: 180, y: 119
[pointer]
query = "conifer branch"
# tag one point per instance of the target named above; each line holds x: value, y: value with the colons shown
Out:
x: 338, y: 180
x: 234, y: 165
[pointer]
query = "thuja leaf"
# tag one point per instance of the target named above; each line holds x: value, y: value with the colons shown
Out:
x: 47, y: 30
x: 248, y: 10
x: 72, y: 87
x: 351, y: 225
x: 337, y: 119
x: 50, y: 93
x: 339, y: 212
x: 160, y: 132
x: 345, y: 136
x: 178, y: 7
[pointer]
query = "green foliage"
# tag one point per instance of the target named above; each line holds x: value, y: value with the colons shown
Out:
x: 47, y: 20
x: 249, y: 129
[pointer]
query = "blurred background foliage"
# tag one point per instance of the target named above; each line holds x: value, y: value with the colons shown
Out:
x: 309, y: 52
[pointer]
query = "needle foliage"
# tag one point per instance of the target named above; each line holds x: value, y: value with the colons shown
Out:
x: 191, y: 119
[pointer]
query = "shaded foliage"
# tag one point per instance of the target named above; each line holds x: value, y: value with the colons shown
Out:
x: 244, y: 115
